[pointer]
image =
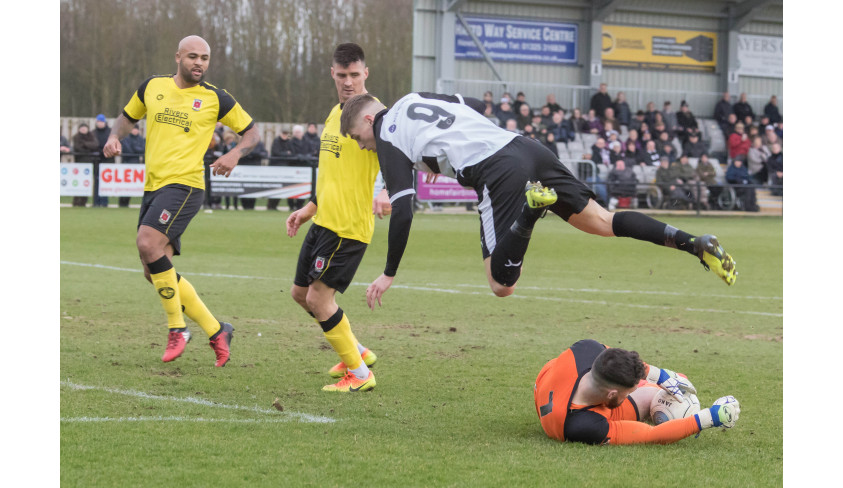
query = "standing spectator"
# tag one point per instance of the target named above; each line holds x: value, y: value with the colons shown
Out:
x: 300, y: 148
x: 520, y: 99
x: 729, y: 127
x: 622, y: 110
x: 133, y: 148
x: 756, y: 161
x: 278, y: 156
x: 254, y: 158
x: 101, y: 132
x: 549, y: 141
x: 601, y: 100
x: 524, y: 116
x: 775, y: 166
x: 771, y: 110
x: 738, y: 143
x: 602, y: 159
x: 622, y: 185
x: 551, y: 103
x: 686, y: 123
x: 311, y: 136
x: 694, y: 147
x: 85, y: 147
x: 707, y: 174
x: 721, y: 113
x: 490, y: 104
x: 669, y: 117
x: 743, y: 109
x: 737, y: 174
x: 505, y: 113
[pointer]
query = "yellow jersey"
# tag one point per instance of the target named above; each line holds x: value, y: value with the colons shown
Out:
x: 180, y: 124
x: 345, y: 183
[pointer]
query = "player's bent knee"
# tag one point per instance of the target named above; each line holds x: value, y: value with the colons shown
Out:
x: 500, y: 290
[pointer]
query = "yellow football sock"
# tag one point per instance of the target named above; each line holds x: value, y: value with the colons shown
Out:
x: 341, y: 338
x: 195, y: 308
x: 166, y: 284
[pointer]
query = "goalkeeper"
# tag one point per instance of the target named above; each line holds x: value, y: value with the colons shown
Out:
x: 600, y: 395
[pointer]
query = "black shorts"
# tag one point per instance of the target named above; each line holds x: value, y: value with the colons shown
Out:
x: 329, y: 258
x: 500, y: 181
x: 169, y: 209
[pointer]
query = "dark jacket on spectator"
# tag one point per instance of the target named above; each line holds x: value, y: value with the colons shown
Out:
x: 622, y: 113
x: 742, y: 110
x: 102, y: 138
x: 600, y: 102
x: 563, y: 132
x: 280, y: 147
x: 132, y: 148
x: 622, y: 183
x: 87, y: 144
x: 722, y: 111
x: 313, y: 142
x: 772, y: 111
x: 694, y: 149
x: 255, y: 157
x: 737, y: 175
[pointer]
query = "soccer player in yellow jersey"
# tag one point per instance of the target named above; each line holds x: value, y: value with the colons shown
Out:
x: 343, y: 223
x: 181, y: 113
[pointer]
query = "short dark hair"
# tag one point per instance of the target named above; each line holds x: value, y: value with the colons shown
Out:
x: 351, y: 110
x: 618, y: 367
x: 348, y: 53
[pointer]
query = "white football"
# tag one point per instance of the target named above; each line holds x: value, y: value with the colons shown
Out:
x: 665, y: 407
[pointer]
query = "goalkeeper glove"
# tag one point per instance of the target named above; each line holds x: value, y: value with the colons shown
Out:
x: 724, y: 413
x: 674, y: 383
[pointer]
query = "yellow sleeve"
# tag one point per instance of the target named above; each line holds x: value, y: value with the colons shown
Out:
x: 232, y: 114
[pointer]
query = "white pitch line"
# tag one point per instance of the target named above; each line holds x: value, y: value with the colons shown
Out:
x: 439, y: 289
x: 168, y: 419
x: 302, y: 417
x: 140, y: 270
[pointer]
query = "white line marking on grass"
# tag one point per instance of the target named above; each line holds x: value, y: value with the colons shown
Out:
x: 302, y: 417
x: 436, y: 288
x: 168, y: 419
x: 140, y: 270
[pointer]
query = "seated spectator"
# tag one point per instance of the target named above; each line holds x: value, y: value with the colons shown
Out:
x: 650, y: 156
x: 694, y: 147
x: 637, y: 121
x: 622, y: 110
x: 612, y: 136
x: 738, y: 143
x: 771, y: 110
x: 551, y: 103
x: 707, y: 174
x: 729, y: 127
x: 650, y: 114
x: 644, y: 134
x: 520, y: 99
x: 752, y: 132
x: 616, y: 152
x: 561, y: 128
x: 512, y: 126
x: 602, y: 159
x: 538, y: 125
x: 524, y: 116
x: 632, y: 136
x: 673, y: 189
x: 595, y: 126
x: 770, y: 137
x: 578, y: 121
x: 658, y: 130
x: 549, y: 142
x: 490, y: 104
x: 609, y: 118
x: 685, y: 177
x: 756, y: 161
x: 738, y: 175
x: 622, y: 184
x: 529, y: 131
x: 631, y: 153
x: 668, y: 150
x: 545, y: 116
x: 775, y: 166
x: 686, y: 123
x: 743, y: 109
x: 85, y: 146
x: 505, y: 113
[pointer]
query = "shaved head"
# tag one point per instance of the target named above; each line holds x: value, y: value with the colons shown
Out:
x: 192, y: 58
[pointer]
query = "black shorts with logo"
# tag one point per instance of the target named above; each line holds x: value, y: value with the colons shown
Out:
x: 500, y: 181
x: 169, y: 209
x: 329, y: 258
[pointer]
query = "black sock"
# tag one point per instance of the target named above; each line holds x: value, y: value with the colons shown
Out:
x: 644, y: 228
x: 508, y: 255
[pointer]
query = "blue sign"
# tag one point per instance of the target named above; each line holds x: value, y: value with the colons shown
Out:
x: 522, y: 41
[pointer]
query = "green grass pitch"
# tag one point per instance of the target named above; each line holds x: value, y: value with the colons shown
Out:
x: 453, y: 405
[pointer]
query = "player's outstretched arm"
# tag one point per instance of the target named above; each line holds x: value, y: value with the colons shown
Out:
x: 381, y: 205
x: 122, y: 128
x: 299, y: 217
x: 676, y: 384
x: 399, y: 234
x: 226, y: 163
